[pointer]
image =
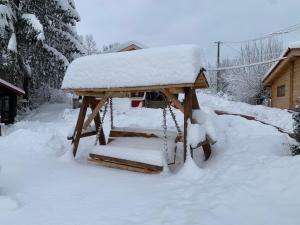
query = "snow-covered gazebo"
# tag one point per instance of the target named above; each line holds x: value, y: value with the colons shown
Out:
x: 169, y: 70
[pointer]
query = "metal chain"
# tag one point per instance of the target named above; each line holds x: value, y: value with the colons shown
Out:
x: 165, y: 134
x: 101, y: 122
x: 174, y: 119
x: 111, y: 113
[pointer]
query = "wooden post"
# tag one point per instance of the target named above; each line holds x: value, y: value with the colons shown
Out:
x: 187, y: 115
x: 79, y: 125
x: 195, y: 105
x: 97, y: 121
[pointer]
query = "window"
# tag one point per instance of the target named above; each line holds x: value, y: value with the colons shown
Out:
x: 281, y: 91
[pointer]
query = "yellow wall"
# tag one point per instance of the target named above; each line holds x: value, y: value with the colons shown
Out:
x: 296, y: 81
x: 284, y: 79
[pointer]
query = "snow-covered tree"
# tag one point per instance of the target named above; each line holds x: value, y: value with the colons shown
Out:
x: 108, y: 48
x: 296, y: 116
x: 39, y: 40
x: 245, y: 84
x: 90, y: 45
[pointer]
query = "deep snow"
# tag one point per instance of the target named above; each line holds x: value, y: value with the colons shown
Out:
x: 153, y: 66
x: 249, y: 179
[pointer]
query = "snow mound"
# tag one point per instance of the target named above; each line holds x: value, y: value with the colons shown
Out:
x: 154, y: 66
x: 196, y: 134
x: 277, y: 117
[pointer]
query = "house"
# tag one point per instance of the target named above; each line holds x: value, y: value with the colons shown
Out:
x: 9, y: 94
x: 283, y: 79
x: 137, y: 98
x: 127, y: 46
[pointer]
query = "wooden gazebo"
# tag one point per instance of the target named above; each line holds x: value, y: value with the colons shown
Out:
x: 169, y: 70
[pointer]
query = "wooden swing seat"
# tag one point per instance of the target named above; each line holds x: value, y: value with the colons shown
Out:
x: 132, y: 149
x: 125, y: 132
x: 138, y: 154
x: 123, y: 164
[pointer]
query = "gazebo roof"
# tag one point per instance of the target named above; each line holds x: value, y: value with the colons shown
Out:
x: 173, y: 65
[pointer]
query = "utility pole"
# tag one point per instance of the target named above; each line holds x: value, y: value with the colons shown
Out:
x: 218, y: 65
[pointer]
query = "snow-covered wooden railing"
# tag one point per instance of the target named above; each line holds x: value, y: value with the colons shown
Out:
x: 219, y: 112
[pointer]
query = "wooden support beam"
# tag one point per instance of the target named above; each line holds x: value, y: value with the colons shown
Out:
x: 173, y: 99
x: 79, y: 125
x: 195, y: 103
x: 96, y: 110
x: 97, y: 121
x: 188, y: 112
x: 205, y: 145
x: 83, y: 135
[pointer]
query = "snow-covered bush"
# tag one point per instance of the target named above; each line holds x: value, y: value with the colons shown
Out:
x: 48, y: 94
x: 296, y: 116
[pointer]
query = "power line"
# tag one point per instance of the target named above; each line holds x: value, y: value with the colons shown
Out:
x: 226, y: 44
x: 282, y: 31
x: 246, y: 65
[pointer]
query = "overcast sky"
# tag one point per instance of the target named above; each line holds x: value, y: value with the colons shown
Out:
x: 168, y: 22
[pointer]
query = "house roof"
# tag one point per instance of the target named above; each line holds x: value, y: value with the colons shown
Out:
x: 291, y: 51
x: 121, y: 47
x: 11, y: 87
x: 147, y: 67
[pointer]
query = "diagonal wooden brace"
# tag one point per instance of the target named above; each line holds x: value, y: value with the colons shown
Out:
x: 173, y: 99
x: 96, y: 110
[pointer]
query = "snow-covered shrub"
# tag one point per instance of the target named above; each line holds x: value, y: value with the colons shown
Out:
x: 296, y: 147
x: 48, y: 94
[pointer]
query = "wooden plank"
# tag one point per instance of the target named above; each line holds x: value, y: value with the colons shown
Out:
x: 129, y: 89
x: 218, y: 112
x: 127, y: 163
x: 173, y: 99
x: 79, y: 125
x: 122, y: 167
x: 119, y: 133
x: 114, y: 134
x: 187, y: 116
x: 201, y: 81
x: 83, y: 135
x: 96, y: 110
x: 97, y: 121
x: 207, y: 151
x: 102, y: 94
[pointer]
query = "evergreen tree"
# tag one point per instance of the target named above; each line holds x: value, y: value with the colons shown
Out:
x: 39, y: 40
x: 296, y: 116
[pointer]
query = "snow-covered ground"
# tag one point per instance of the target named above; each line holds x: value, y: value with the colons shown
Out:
x: 251, y: 178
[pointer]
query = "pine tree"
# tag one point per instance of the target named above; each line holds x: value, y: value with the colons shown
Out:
x: 296, y: 116
x: 38, y: 40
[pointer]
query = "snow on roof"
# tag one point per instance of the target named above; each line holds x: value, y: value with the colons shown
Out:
x: 292, y: 45
x: 125, y: 45
x: 153, y: 66
x: 11, y: 87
